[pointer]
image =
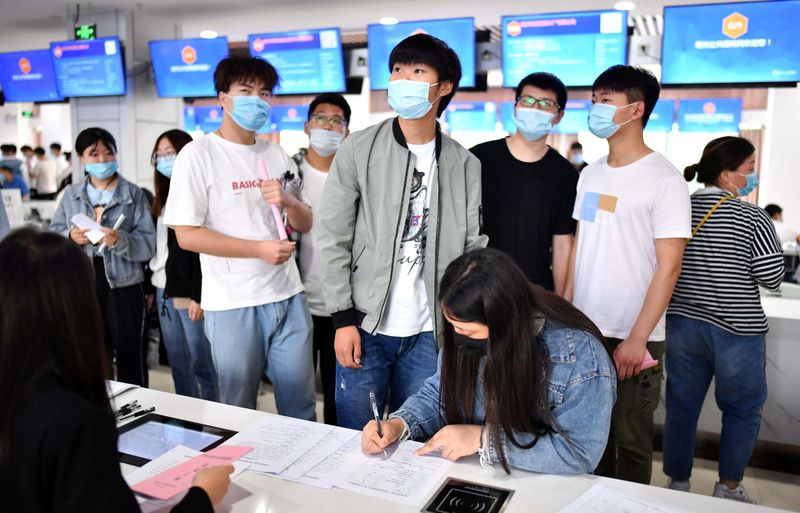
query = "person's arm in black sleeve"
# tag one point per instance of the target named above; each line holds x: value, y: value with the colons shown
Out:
x: 197, y: 278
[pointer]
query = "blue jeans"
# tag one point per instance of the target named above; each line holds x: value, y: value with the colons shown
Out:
x: 696, y: 351
x: 188, y: 351
x: 399, y: 365
x: 274, y: 338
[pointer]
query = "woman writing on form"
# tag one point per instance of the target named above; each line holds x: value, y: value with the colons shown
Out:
x: 523, y: 378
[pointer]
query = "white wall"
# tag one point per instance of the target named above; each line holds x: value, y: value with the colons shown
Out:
x: 54, y: 120
x: 780, y: 175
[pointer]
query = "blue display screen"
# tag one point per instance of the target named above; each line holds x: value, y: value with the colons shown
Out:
x: 737, y: 43
x: 207, y: 119
x: 576, y: 117
x: 184, y: 68
x: 286, y: 117
x: 662, y: 117
x: 89, y: 68
x: 458, y: 33
x: 507, y: 117
x: 471, y: 116
x: 28, y: 77
x: 710, y: 115
x: 576, y: 47
x: 308, y: 61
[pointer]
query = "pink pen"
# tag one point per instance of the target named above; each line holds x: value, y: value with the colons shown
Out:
x: 276, y: 213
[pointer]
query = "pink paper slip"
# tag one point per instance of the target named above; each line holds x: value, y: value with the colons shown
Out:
x: 178, y: 479
x: 648, y: 361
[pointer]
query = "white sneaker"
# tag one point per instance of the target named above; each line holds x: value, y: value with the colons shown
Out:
x: 737, y: 494
x: 681, y: 486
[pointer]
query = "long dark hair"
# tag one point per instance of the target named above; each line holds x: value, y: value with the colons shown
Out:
x: 722, y: 154
x: 487, y: 287
x: 178, y: 139
x: 50, y: 322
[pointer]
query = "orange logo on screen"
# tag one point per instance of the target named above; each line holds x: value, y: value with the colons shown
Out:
x: 513, y: 28
x: 189, y: 55
x: 709, y: 108
x: 25, y: 65
x: 735, y: 25
x: 418, y: 31
x: 58, y: 52
x: 258, y: 45
x: 214, y: 114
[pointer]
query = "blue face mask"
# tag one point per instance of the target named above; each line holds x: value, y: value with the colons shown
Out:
x: 102, y: 170
x: 409, y: 98
x: 164, y: 165
x: 249, y: 112
x: 325, y: 142
x: 601, y: 119
x: 752, y: 182
x: 533, y: 124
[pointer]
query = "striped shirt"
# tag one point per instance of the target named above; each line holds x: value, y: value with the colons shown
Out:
x: 736, y: 250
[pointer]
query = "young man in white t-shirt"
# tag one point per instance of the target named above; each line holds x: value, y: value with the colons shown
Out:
x: 634, y: 216
x: 256, y: 315
x: 328, y: 119
x: 401, y: 202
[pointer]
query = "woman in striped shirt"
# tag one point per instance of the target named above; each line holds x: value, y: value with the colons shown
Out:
x: 715, y: 323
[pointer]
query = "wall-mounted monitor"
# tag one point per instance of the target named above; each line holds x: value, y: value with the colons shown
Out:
x: 458, y: 33
x: 286, y: 117
x: 576, y: 46
x: 28, y: 77
x: 662, y: 117
x: 308, y: 61
x: 731, y: 44
x: 204, y: 118
x: 89, y: 68
x: 184, y: 68
x: 471, y: 116
x: 710, y: 115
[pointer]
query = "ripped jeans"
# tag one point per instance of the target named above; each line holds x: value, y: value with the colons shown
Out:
x: 394, y: 367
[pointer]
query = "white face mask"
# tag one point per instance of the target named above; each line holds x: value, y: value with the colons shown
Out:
x: 325, y: 142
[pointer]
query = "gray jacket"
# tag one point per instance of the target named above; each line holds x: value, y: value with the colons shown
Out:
x: 362, y: 216
x: 124, y: 263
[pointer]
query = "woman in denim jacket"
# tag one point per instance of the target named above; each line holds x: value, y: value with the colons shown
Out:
x: 523, y: 379
x: 119, y: 270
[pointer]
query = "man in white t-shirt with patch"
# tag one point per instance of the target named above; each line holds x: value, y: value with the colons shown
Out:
x: 634, y: 216
x: 328, y: 119
x: 256, y: 315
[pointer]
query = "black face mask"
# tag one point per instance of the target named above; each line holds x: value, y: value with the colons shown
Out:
x: 470, y: 346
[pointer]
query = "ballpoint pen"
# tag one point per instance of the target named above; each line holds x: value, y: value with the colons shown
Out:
x: 137, y: 414
x: 374, y: 405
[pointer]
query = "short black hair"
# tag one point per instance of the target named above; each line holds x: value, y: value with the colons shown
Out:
x: 55, y: 146
x: 773, y: 210
x: 433, y: 52
x: 39, y: 151
x: 91, y: 136
x: 635, y: 82
x: 26, y: 148
x: 333, y: 99
x: 547, y: 82
x: 576, y: 146
x: 8, y: 148
x: 241, y: 69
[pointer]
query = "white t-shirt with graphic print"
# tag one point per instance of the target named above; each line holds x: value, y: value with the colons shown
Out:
x: 407, y: 311
x: 216, y: 184
x: 621, y: 211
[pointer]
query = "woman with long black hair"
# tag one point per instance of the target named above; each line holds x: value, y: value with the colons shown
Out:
x: 178, y: 281
x: 524, y: 379
x: 58, y: 437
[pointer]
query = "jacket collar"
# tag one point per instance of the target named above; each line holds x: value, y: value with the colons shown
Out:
x: 401, y: 139
x: 122, y: 192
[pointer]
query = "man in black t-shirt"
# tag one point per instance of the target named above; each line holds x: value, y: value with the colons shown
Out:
x: 529, y: 188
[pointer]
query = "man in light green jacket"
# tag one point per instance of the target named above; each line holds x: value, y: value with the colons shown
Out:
x: 401, y: 202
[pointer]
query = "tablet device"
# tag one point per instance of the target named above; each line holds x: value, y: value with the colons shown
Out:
x: 152, y: 435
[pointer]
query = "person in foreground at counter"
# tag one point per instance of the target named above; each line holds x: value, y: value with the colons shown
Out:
x: 58, y: 438
x: 519, y: 370
x: 715, y: 322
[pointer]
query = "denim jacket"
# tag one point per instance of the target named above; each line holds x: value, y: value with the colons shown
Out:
x: 137, y: 235
x: 581, y: 392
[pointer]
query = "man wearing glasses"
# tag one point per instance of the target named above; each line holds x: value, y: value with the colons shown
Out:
x: 328, y: 119
x: 529, y: 188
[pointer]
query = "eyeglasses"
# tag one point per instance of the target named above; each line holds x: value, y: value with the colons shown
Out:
x: 155, y: 156
x: 335, y: 122
x: 543, y: 103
